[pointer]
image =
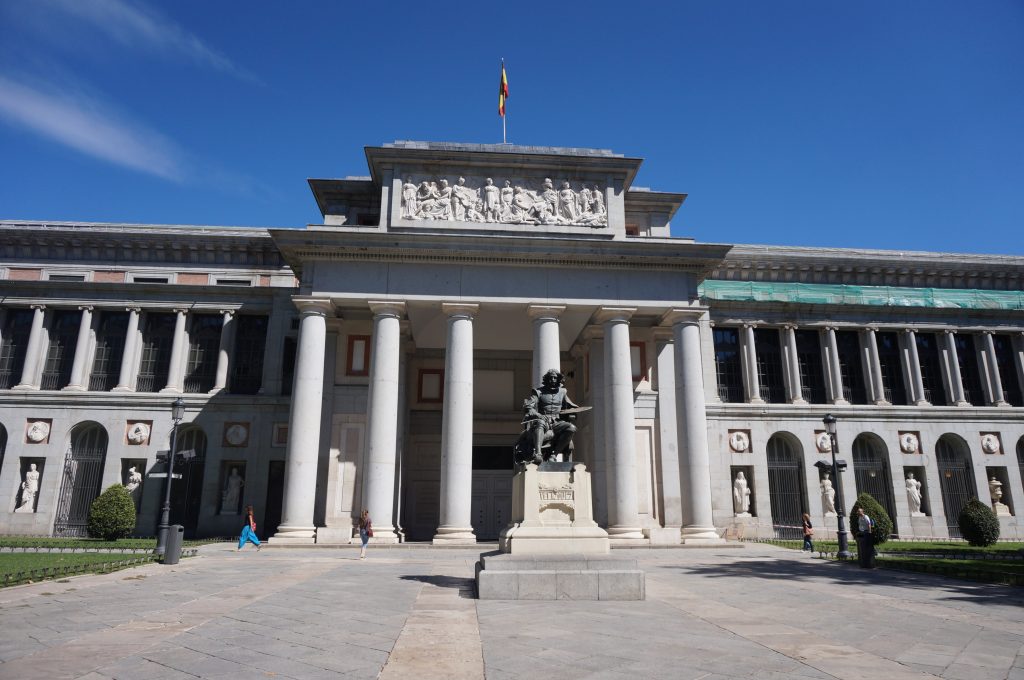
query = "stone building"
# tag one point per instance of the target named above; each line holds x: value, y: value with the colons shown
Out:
x: 379, y: 360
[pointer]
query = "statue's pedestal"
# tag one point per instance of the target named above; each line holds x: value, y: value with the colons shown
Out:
x: 553, y: 549
x: 1001, y: 509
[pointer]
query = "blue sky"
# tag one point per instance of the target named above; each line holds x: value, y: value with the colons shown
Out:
x: 871, y: 124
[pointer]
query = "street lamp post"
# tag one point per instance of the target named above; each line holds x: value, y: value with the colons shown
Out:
x: 177, y: 413
x: 844, y: 547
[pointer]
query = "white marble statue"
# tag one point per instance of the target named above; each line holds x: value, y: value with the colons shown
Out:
x: 232, y: 493
x: 29, y: 489
x: 507, y: 194
x: 741, y: 496
x: 133, y: 483
x: 492, y: 201
x: 828, y: 496
x: 409, y: 203
x: 914, y: 495
x: 567, y: 204
x: 995, y: 488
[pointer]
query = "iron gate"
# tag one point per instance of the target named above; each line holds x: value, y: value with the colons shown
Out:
x: 872, y: 475
x: 83, y: 474
x: 785, y: 489
x: 955, y: 478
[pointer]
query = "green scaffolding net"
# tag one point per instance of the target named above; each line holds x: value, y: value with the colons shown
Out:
x: 878, y: 296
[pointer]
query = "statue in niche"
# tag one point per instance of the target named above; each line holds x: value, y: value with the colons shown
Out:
x: 828, y: 495
x: 133, y: 483
x: 567, y: 204
x: 492, y: 201
x: 547, y: 422
x: 507, y: 194
x: 995, y: 488
x: 29, y: 489
x: 914, y: 495
x: 741, y: 496
x: 232, y: 493
x: 409, y: 200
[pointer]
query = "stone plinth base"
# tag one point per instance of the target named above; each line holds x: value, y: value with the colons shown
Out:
x: 552, y: 513
x: 558, y: 577
x: 663, y: 535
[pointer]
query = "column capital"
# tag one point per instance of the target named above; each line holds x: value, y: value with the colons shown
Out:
x: 85, y: 308
x: 545, y: 311
x: 228, y: 312
x: 133, y: 308
x: 180, y: 310
x: 387, y: 308
x: 679, y: 315
x: 986, y: 332
x: 948, y: 331
x: 605, y: 314
x: 909, y: 331
x: 457, y: 309
x: 38, y: 306
x: 748, y: 324
x: 314, y: 306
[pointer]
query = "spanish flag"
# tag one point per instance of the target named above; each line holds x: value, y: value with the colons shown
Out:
x: 502, y: 90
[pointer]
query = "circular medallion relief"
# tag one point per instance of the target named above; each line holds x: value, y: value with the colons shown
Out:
x: 236, y: 434
x: 990, y: 443
x: 908, y: 442
x: 138, y: 433
x: 823, y: 442
x: 739, y: 441
x: 38, y: 431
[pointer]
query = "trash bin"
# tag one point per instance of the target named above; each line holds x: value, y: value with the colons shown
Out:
x: 172, y: 550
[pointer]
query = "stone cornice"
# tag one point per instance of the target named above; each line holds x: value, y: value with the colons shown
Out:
x: 338, y: 245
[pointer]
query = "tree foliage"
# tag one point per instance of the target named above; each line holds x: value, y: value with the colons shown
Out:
x: 112, y: 514
x: 874, y: 510
x: 978, y: 524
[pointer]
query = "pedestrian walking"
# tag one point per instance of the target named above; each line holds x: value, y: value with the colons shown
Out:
x: 865, y: 540
x: 365, y: 532
x: 808, y: 533
x: 249, y: 531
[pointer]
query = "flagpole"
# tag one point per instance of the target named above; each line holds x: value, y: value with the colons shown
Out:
x: 503, y: 140
x: 503, y: 112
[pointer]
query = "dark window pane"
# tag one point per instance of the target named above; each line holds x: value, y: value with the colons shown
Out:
x: 931, y: 370
x: 14, y: 346
x: 288, y: 365
x: 250, y: 341
x: 808, y: 356
x: 110, y: 336
x: 769, y: 365
x: 157, y: 338
x: 967, y: 360
x: 204, y: 346
x: 892, y: 374
x: 60, y: 353
x: 728, y: 364
x: 1007, y: 369
x: 851, y: 367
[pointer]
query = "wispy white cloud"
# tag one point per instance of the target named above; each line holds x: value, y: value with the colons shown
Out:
x: 82, y: 123
x: 139, y: 27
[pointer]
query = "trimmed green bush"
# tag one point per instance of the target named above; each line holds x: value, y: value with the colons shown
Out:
x: 874, y: 510
x: 978, y: 524
x: 112, y: 514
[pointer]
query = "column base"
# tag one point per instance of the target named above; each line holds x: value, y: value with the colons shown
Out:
x: 922, y: 402
x: 757, y: 400
x: 840, y: 402
x: 624, y: 533
x: 454, y: 536
x: 123, y: 388
x: 73, y: 388
x: 35, y: 388
x: 883, y: 402
x: 998, y: 403
x: 171, y: 390
x: 697, y: 535
x: 294, y: 536
x: 798, y: 400
x: 664, y: 535
x: 963, y: 404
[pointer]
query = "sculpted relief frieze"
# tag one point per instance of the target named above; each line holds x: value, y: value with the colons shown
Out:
x: 515, y: 202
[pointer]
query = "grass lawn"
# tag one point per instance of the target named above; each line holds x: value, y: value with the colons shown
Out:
x: 933, y: 547
x: 16, y: 567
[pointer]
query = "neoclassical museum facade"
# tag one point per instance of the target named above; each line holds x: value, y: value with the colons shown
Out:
x: 380, y: 360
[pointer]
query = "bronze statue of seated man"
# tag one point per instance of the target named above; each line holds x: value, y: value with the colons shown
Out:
x: 547, y: 431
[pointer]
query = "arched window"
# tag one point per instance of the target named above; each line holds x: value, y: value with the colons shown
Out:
x: 871, y: 472
x: 186, y: 500
x: 83, y: 474
x: 786, y: 485
x: 3, y: 445
x: 1020, y: 456
x: 955, y: 477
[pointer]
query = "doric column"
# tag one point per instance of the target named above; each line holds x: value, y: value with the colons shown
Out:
x: 952, y: 366
x: 179, y: 346
x: 595, y: 336
x: 875, y: 368
x: 79, y: 379
x: 382, y: 418
x: 993, y: 370
x: 668, y: 431
x: 748, y: 349
x: 128, y: 355
x: 793, y: 383
x: 835, y: 373
x: 457, y: 427
x: 914, y: 368
x: 30, y: 373
x: 691, y: 417
x: 304, y: 424
x: 620, y: 429
x: 226, y: 350
x: 546, y: 352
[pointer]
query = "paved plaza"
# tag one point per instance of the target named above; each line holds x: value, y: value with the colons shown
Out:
x: 753, y: 612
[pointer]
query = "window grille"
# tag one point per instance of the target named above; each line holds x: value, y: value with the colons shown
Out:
x: 892, y: 374
x: 14, y: 346
x: 1007, y: 370
x: 955, y: 478
x: 966, y: 359
x: 157, y: 339
x: 728, y: 366
x: 851, y: 367
x: 204, y: 348
x: 769, y: 365
x: 808, y: 355
x: 785, y: 487
x: 60, y: 353
x: 871, y: 473
x: 106, y: 365
x: 250, y: 341
x: 931, y: 368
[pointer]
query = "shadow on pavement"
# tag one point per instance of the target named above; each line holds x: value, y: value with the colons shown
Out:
x: 850, y: 573
x: 465, y: 586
